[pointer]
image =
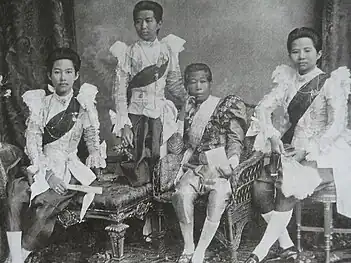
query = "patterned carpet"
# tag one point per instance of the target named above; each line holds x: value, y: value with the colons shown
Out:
x: 87, y: 242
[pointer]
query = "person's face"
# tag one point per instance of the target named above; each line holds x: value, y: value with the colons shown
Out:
x: 304, y: 55
x: 146, y: 25
x: 198, y: 85
x: 63, y: 75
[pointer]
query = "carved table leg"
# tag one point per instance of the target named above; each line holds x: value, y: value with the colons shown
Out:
x: 159, y: 235
x: 116, y: 233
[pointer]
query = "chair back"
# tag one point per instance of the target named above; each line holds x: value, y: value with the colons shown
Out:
x: 248, y: 141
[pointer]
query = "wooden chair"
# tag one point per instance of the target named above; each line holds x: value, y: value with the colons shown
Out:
x: 327, y: 197
x: 239, y: 210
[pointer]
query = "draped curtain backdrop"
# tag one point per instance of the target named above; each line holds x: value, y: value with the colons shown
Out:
x: 336, y: 34
x: 29, y: 31
x: 337, y: 37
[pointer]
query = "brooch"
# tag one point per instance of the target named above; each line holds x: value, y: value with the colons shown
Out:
x: 74, y: 116
x: 314, y: 92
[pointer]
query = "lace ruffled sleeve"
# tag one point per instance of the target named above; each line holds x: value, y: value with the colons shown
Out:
x: 174, y: 89
x: 121, y: 51
x: 337, y: 90
x: 86, y: 99
x: 34, y: 99
x: 91, y: 125
x: 261, y: 124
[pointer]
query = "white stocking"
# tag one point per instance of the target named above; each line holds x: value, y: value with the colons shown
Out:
x: 276, y: 226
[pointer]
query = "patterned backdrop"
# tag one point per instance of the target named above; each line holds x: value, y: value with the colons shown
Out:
x: 29, y: 30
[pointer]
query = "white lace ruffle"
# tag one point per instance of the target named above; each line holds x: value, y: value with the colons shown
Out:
x: 119, y: 118
x: 261, y: 124
x: 175, y: 43
x: 120, y: 50
x: 118, y: 121
x: 97, y: 159
x: 337, y: 92
x: 293, y: 174
x: 34, y: 99
x: 283, y: 74
x: 86, y: 99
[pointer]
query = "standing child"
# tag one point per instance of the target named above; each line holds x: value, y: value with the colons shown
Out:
x: 148, y: 90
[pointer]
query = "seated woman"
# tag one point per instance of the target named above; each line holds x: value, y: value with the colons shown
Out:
x: 314, y: 127
x: 55, y: 126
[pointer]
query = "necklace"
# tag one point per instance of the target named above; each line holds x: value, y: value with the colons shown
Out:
x: 149, y: 60
x: 313, y: 92
x: 74, y: 118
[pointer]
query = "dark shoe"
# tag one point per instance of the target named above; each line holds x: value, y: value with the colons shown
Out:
x: 185, y: 258
x: 289, y: 253
x: 252, y: 259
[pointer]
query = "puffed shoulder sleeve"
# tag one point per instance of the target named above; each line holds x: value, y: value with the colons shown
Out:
x: 232, y: 117
x: 337, y: 90
x: 175, y: 43
x: 34, y: 99
x: 120, y: 50
x: 86, y: 99
x: 121, y: 80
x: 91, y: 125
x: 174, y: 89
x: 261, y: 124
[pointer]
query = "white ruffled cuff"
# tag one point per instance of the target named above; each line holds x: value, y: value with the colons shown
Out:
x: 118, y: 121
x: 38, y: 170
x: 262, y: 132
x: 98, y: 158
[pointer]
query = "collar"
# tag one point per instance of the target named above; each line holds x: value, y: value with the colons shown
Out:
x: 194, y: 103
x: 63, y: 99
x: 144, y: 43
x: 308, y: 76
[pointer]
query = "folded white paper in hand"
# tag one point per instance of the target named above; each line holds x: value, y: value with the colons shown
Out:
x: 87, y: 200
x: 217, y: 158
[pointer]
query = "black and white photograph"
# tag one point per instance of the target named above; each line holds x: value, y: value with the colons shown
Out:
x: 185, y: 131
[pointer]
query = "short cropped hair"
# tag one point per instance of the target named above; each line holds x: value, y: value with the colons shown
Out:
x: 194, y: 67
x: 148, y: 5
x: 63, y: 53
x: 305, y: 32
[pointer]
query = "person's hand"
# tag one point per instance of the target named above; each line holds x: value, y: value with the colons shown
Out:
x: 277, y: 145
x: 29, y: 174
x: 56, y: 183
x: 225, y: 172
x: 298, y: 155
x: 97, y: 172
x: 127, y: 136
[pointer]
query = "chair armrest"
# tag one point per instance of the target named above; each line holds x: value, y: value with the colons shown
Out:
x: 244, y: 175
